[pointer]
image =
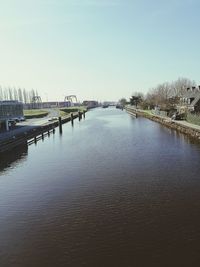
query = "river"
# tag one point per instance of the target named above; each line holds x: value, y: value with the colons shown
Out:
x: 110, y: 191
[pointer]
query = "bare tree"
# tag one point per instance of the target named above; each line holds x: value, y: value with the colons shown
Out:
x: 10, y: 93
x: 167, y: 94
x: 5, y: 94
x: 25, y: 96
x: 180, y: 85
x: 1, y: 93
x: 15, y: 94
x: 20, y: 95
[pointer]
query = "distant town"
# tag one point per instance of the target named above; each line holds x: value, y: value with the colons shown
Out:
x: 18, y: 105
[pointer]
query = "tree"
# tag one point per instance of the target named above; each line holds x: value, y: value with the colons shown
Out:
x: 180, y: 86
x: 136, y: 98
x: 1, y: 93
x: 123, y: 101
x: 10, y: 92
x: 25, y: 96
x: 17, y: 94
x: 20, y: 95
x: 5, y: 94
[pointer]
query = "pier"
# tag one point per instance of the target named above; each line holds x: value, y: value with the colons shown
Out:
x: 28, y: 133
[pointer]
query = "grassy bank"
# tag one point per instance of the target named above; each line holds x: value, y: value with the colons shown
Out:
x: 35, y: 113
x: 193, y: 118
x: 66, y: 111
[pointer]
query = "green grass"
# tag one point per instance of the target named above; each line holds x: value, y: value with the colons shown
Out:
x: 66, y: 111
x: 147, y: 111
x: 193, y: 118
x: 35, y: 113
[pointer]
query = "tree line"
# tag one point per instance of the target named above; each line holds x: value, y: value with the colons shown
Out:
x: 164, y: 95
x: 22, y: 95
x: 168, y: 94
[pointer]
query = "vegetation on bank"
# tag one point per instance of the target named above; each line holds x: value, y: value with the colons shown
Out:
x: 166, y: 98
x: 193, y: 118
x: 40, y: 113
x: 165, y: 95
x: 35, y: 113
x: 65, y: 111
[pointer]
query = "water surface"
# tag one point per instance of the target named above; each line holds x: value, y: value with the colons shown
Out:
x: 111, y: 191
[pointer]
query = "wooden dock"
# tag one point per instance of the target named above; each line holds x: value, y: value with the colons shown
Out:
x: 34, y: 134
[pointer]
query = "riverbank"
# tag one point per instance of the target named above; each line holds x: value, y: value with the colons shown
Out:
x: 35, y: 113
x: 66, y: 110
x: 184, y: 127
x: 31, y: 130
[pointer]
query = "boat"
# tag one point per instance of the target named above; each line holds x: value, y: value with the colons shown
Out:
x: 105, y: 106
x: 119, y: 106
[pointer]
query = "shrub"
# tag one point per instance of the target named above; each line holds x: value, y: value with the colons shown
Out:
x: 193, y: 118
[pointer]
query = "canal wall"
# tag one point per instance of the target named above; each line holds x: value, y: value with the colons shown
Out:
x: 29, y: 133
x: 181, y: 126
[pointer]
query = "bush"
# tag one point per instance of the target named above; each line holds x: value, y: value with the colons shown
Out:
x: 73, y: 109
x: 193, y: 118
x: 35, y: 113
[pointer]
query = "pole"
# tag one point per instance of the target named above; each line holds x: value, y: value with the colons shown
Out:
x: 60, y: 124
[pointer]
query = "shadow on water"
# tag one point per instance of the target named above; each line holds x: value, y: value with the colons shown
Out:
x: 178, y: 135
x: 11, y: 158
x: 16, y: 130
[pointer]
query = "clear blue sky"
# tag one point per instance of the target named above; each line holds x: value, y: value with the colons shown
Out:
x: 97, y: 49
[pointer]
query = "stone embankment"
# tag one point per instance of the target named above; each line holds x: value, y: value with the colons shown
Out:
x: 181, y: 126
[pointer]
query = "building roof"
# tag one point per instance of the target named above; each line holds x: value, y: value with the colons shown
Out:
x: 10, y: 102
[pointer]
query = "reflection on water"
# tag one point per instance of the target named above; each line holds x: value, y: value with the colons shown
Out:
x: 111, y: 191
x: 13, y: 158
x: 176, y: 134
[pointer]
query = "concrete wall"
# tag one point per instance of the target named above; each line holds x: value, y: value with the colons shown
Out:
x: 185, y: 129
